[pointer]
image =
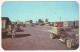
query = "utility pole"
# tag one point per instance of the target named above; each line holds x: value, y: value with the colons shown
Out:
x: 60, y: 18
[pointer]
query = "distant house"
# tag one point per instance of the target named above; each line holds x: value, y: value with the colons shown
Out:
x: 27, y: 23
x: 51, y: 23
x: 18, y: 22
x: 60, y: 24
x: 69, y: 23
x: 73, y: 24
x: 76, y: 23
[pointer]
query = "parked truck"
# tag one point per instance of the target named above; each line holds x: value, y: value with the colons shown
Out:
x: 66, y: 34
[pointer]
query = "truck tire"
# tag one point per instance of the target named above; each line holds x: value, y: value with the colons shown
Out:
x: 68, y: 43
x: 52, y: 36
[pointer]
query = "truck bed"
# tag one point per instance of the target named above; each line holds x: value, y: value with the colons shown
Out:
x: 54, y: 30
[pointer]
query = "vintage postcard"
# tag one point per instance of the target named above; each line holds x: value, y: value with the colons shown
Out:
x: 40, y: 25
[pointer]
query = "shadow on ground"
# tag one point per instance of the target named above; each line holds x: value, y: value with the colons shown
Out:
x: 16, y: 36
x: 19, y: 30
x: 22, y: 35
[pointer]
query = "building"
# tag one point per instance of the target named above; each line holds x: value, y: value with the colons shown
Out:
x: 27, y: 23
x: 6, y: 24
x: 59, y: 24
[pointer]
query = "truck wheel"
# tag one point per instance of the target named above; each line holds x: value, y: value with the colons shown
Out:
x: 68, y: 43
x: 52, y: 36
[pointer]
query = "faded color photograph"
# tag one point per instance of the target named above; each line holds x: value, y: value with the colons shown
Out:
x: 40, y: 25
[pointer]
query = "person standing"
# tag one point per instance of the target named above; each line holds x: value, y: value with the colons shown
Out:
x: 14, y: 28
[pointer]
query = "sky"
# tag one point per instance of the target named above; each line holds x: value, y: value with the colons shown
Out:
x: 26, y: 10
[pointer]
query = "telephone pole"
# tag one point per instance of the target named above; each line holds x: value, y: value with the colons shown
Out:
x: 60, y: 18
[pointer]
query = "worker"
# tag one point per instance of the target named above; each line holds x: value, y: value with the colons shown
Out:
x: 14, y: 28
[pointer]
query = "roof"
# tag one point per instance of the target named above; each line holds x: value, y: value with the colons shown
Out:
x: 4, y: 18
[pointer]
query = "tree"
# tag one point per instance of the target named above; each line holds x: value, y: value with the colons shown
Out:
x: 31, y: 21
x: 40, y: 21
